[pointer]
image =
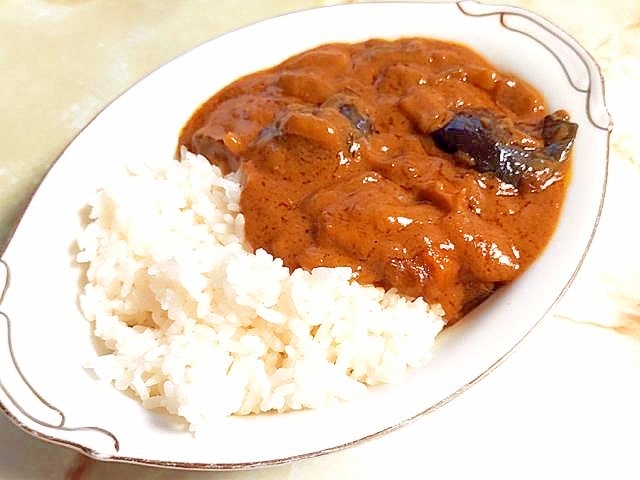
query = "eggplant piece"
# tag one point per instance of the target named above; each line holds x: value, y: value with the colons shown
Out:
x: 212, y: 147
x: 468, y: 133
x: 357, y: 119
x: 267, y: 134
x: 558, y: 134
x: 341, y: 103
x: 351, y: 107
x: 487, y: 143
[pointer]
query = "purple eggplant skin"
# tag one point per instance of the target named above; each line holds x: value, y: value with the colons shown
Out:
x: 361, y: 123
x: 486, y: 143
x: 558, y: 134
x: 357, y: 119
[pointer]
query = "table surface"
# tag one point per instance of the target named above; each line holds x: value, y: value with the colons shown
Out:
x: 566, y: 404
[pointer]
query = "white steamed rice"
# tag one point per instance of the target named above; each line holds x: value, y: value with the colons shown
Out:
x: 199, y: 326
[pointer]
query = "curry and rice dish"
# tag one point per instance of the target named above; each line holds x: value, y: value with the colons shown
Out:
x: 414, y: 162
x: 325, y: 219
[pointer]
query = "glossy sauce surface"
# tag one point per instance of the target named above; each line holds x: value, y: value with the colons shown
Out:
x: 340, y: 167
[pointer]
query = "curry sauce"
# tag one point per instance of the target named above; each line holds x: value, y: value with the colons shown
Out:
x: 414, y: 162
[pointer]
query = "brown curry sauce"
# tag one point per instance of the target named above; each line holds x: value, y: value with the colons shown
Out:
x: 344, y: 164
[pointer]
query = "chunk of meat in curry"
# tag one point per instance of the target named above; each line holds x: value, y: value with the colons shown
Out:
x: 347, y: 160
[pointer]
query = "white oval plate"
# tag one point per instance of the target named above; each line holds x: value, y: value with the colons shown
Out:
x: 43, y: 386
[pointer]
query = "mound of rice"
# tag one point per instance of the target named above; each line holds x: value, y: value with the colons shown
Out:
x: 201, y: 327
